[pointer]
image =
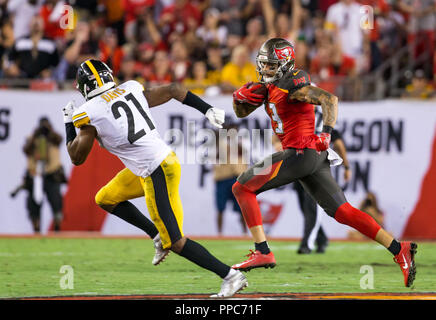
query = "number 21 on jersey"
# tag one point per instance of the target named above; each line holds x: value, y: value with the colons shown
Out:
x: 132, y: 136
x: 276, y: 121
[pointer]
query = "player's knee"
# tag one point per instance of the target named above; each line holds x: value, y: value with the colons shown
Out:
x: 177, y: 246
x: 103, y: 202
x: 237, y: 188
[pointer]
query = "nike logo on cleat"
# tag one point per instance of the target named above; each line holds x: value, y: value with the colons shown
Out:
x: 405, y: 263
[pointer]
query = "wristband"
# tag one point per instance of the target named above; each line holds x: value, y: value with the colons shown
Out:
x: 327, y: 129
x: 196, y: 102
x: 71, y: 131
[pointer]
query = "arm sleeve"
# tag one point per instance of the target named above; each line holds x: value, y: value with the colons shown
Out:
x: 336, y: 135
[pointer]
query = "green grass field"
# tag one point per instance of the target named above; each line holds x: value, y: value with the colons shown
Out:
x: 30, y: 267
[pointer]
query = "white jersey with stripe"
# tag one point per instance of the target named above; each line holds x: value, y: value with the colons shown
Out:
x: 125, y: 127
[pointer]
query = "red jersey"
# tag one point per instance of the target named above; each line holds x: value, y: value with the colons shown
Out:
x: 292, y: 121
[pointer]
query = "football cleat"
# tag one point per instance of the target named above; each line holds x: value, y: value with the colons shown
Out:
x: 160, y: 252
x: 304, y: 250
x: 256, y: 260
x: 406, y: 260
x: 322, y: 246
x: 229, y: 287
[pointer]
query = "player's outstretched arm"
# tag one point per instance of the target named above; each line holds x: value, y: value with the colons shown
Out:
x: 161, y: 94
x: 318, y: 96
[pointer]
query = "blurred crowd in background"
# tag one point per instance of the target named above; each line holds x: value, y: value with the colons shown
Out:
x: 211, y: 45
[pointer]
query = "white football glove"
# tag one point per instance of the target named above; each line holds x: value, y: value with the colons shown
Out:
x: 68, y: 111
x: 216, y: 116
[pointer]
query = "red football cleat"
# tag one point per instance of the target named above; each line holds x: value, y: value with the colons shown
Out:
x: 406, y: 259
x: 256, y: 260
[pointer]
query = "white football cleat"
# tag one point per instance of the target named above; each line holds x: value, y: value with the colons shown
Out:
x: 160, y: 252
x: 234, y: 284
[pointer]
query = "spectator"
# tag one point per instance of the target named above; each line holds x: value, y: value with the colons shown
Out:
x: 128, y: 70
x: 238, y: 71
x: 225, y: 175
x: 380, y: 9
x: 180, y: 62
x: 87, y: 8
x: 287, y: 26
x: 199, y: 82
x: 52, y: 12
x: 343, y: 23
x: 110, y: 51
x: 45, y: 173
x: 214, y: 62
x: 33, y: 56
x: 145, y: 57
x: 202, y: 25
x: 249, y: 9
x: 114, y: 15
x: 420, y: 87
x: 229, y: 15
x: 330, y: 62
x: 161, y: 73
x: 392, y: 31
x: 211, y: 31
x: 22, y: 12
x: 255, y: 37
x: 421, y: 27
x: 179, y: 18
x: 6, y: 32
x: 134, y: 8
x: 81, y: 47
x: 144, y: 29
x: 233, y: 40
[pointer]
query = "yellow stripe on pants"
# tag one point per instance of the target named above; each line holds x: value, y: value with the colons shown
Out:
x: 169, y: 220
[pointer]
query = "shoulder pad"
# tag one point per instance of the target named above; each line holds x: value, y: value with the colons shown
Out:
x: 294, y: 80
x: 80, y: 118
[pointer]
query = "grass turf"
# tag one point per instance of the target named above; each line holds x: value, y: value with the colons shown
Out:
x: 30, y: 267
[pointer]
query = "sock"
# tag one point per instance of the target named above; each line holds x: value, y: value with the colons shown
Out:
x: 248, y: 203
x: 199, y: 255
x: 359, y: 220
x: 129, y: 213
x: 395, y: 247
x: 262, y: 247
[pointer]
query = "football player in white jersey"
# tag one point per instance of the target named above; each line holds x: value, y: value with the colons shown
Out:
x: 119, y: 117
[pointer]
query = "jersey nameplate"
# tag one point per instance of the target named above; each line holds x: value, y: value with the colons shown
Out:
x: 113, y: 94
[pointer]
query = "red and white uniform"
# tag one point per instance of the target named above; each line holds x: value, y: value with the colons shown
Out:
x: 292, y: 121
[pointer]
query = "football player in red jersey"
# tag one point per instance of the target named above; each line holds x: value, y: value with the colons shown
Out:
x: 306, y: 157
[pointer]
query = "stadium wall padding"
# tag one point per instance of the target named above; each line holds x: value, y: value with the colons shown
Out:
x: 391, y: 146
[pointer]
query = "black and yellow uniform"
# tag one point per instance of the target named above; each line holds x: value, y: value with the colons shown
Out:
x: 161, y: 191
